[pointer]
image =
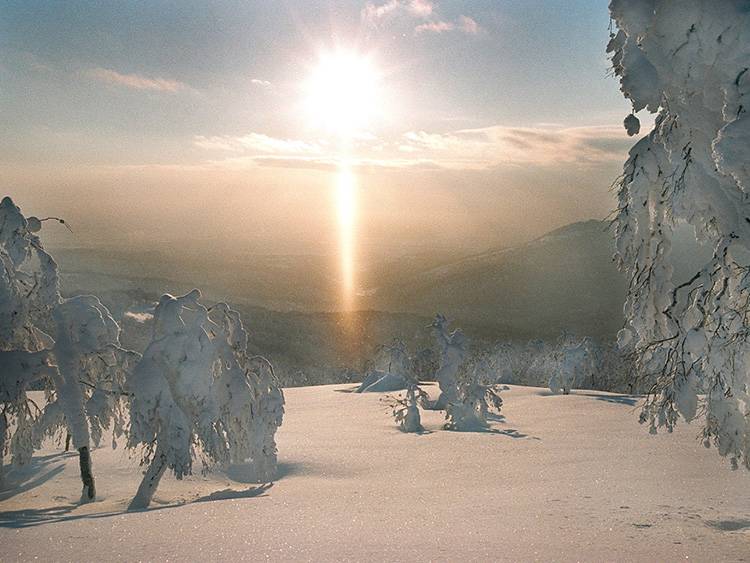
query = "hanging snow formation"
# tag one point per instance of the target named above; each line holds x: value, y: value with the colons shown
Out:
x: 688, y: 61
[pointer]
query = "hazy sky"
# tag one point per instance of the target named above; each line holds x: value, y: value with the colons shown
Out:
x: 464, y: 124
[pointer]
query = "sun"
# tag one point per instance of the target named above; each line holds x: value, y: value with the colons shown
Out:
x: 342, y: 92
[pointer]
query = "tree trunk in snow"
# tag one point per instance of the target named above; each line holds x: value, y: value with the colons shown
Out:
x: 70, y: 397
x: 150, y: 481
x: 3, y: 429
x: 84, y: 460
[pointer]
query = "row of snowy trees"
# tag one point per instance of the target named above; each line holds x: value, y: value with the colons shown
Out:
x: 470, y: 382
x: 194, y: 391
x: 468, y: 388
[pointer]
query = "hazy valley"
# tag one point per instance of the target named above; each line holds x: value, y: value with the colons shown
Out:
x: 565, y: 280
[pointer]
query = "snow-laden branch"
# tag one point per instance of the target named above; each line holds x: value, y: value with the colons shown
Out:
x: 688, y: 60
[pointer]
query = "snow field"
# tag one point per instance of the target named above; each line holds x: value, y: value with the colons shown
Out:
x: 557, y: 478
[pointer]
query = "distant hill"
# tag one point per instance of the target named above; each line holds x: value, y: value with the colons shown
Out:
x: 566, y: 279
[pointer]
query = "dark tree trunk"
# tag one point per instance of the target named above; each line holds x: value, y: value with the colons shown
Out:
x: 150, y: 481
x: 3, y: 430
x: 84, y: 459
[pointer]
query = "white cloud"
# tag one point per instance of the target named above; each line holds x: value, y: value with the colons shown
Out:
x: 255, y: 142
x: 540, y: 145
x: 468, y: 25
x: 421, y: 8
x: 410, y: 10
x: 434, y: 27
x: 373, y: 14
x: 135, y: 81
x: 545, y: 145
x: 261, y: 83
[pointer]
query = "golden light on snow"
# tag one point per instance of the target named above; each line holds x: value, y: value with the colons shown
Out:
x: 342, y: 92
x: 345, y: 196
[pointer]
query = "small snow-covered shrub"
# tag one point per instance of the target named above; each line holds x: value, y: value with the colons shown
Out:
x: 406, y: 410
x: 452, y: 351
x: 575, y: 364
x: 617, y: 371
x: 389, y: 371
x: 476, y: 394
x: 423, y: 364
x: 539, y: 363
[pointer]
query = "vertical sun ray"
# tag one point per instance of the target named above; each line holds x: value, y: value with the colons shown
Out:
x: 347, y: 211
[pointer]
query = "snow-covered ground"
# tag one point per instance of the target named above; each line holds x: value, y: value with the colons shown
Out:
x: 557, y: 478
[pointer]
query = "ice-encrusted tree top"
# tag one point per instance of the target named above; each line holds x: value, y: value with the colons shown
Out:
x: 688, y: 61
x: 29, y: 285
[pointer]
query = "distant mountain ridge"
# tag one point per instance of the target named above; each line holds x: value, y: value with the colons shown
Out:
x: 566, y: 279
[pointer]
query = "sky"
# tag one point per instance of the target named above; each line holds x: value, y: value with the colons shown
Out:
x: 225, y: 124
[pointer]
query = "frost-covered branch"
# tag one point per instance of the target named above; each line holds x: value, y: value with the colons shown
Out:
x: 688, y: 61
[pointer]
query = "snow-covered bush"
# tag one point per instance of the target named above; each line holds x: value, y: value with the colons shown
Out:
x: 476, y: 393
x: 389, y: 371
x: 538, y: 363
x: 617, y: 371
x: 575, y: 364
x: 196, y: 393
x: 508, y: 362
x: 423, y: 364
x: 405, y: 409
x: 688, y: 60
x: 452, y: 352
x: 247, y: 391
x: 29, y: 289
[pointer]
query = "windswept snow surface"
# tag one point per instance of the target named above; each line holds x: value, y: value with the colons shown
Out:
x: 556, y: 478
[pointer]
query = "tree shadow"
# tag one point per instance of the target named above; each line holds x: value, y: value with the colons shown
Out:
x: 628, y: 400
x: 29, y: 518
x: 245, y: 473
x: 729, y: 525
x: 37, y: 471
x: 229, y: 494
x: 510, y: 432
x: 348, y: 389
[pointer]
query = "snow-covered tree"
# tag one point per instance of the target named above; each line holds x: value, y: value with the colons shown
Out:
x: 90, y: 379
x: 575, y: 364
x: 405, y: 409
x: 173, y: 409
x: 269, y: 399
x: 196, y: 393
x: 248, y: 393
x: 688, y: 61
x: 476, y: 394
x: 453, y: 352
x: 83, y: 367
x: 389, y: 371
x: 29, y: 289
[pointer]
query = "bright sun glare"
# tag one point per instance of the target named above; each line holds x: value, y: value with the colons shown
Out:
x: 343, y: 92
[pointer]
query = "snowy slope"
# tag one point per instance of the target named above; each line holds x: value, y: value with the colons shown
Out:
x: 559, y: 478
